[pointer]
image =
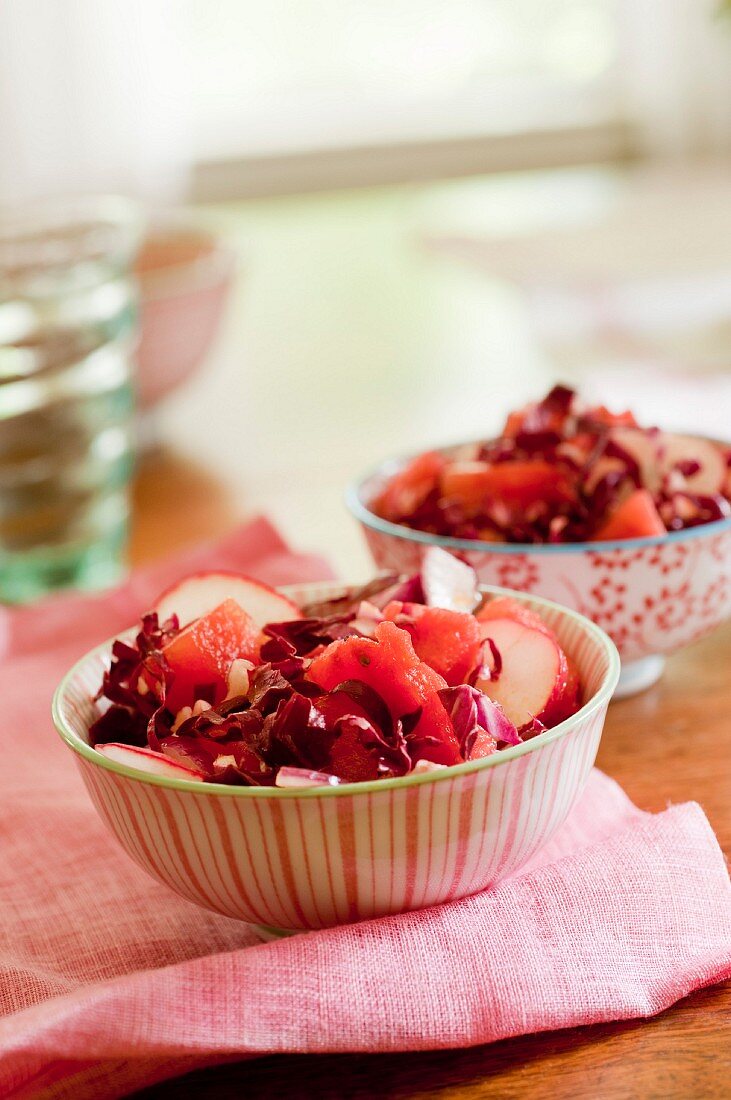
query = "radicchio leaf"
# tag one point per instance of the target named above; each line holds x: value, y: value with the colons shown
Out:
x: 471, y: 711
x: 135, y: 684
x: 346, y: 604
x: 487, y: 669
x: 303, y: 636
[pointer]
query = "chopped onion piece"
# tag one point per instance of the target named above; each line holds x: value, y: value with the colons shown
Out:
x: 448, y: 582
x: 422, y: 766
x: 301, y: 777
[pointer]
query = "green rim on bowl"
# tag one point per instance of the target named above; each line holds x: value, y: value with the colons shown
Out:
x: 598, y: 699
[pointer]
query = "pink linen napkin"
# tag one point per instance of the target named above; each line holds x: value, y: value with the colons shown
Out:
x: 108, y: 981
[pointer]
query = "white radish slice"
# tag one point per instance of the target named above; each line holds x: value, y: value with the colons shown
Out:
x: 533, y: 673
x: 599, y: 469
x: 200, y: 593
x: 448, y: 582
x: 646, y: 449
x: 146, y: 760
x: 710, y: 477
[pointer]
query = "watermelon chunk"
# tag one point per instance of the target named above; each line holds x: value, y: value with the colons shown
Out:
x: 200, y: 656
x: 474, y: 485
x: 449, y: 641
x: 635, y: 518
x: 389, y: 664
x: 409, y: 487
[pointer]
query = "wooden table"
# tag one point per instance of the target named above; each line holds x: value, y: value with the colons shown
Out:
x: 671, y: 744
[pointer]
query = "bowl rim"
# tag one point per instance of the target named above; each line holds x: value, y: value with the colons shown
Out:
x: 212, y: 267
x: 599, y: 699
x: 355, y: 502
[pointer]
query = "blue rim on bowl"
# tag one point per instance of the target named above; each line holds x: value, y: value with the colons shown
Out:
x: 599, y: 698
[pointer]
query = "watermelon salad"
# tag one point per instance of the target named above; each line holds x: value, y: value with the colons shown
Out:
x: 563, y: 472
x: 228, y: 681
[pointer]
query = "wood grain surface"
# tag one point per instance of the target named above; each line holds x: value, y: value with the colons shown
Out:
x: 670, y: 744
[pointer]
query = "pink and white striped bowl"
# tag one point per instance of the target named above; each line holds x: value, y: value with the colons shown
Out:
x: 289, y: 860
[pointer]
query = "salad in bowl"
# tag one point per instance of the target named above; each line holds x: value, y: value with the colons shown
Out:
x: 261, y: 751
x: 399, y: 676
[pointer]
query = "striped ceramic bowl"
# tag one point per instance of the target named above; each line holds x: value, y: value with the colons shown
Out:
x: 287, y: 860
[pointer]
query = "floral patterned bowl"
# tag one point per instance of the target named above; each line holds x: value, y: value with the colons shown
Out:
x: 287, y: 859
x: 651, y: 595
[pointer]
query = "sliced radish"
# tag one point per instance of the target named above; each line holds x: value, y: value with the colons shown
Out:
x: 534, y: 675
x: 145, y: 760
x: 448, y: 582
x: 505, y: 607
x: 600, y: 469
x: 200, y: 593
x: 646, y: 449
x: 711, y: 475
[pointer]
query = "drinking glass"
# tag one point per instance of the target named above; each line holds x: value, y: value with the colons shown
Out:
x: 67, y: 337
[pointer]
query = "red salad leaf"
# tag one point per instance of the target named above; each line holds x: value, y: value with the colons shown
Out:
x: 339, y: 605
x: 135, y: 684
x: 471, y: 711
x: 307, y: 635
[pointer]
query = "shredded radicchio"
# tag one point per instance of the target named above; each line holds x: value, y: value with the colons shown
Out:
x: 472, y: 711
x: 135, y: 684
x: 281, y: 727
x: 490, y: 664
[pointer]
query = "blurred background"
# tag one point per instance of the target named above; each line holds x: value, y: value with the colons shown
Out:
x: 358, y: 228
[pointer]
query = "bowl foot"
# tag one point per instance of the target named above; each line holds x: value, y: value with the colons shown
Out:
x: 637, y: 676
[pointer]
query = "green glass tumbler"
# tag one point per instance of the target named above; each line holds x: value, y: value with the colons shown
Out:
x: 67, y: 339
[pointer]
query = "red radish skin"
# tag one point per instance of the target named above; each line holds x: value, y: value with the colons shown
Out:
x: 635, y: 518
x: 202, y: 654
x: 505, y: 607
x: 200, y: 593
x: 534, y: 678
x: 146, y: 760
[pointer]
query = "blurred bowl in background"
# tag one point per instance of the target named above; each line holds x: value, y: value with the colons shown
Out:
x: 185, y: 275
x: 652, y: 596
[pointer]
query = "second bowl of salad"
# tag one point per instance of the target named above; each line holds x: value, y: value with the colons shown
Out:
x: 630, y: 526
